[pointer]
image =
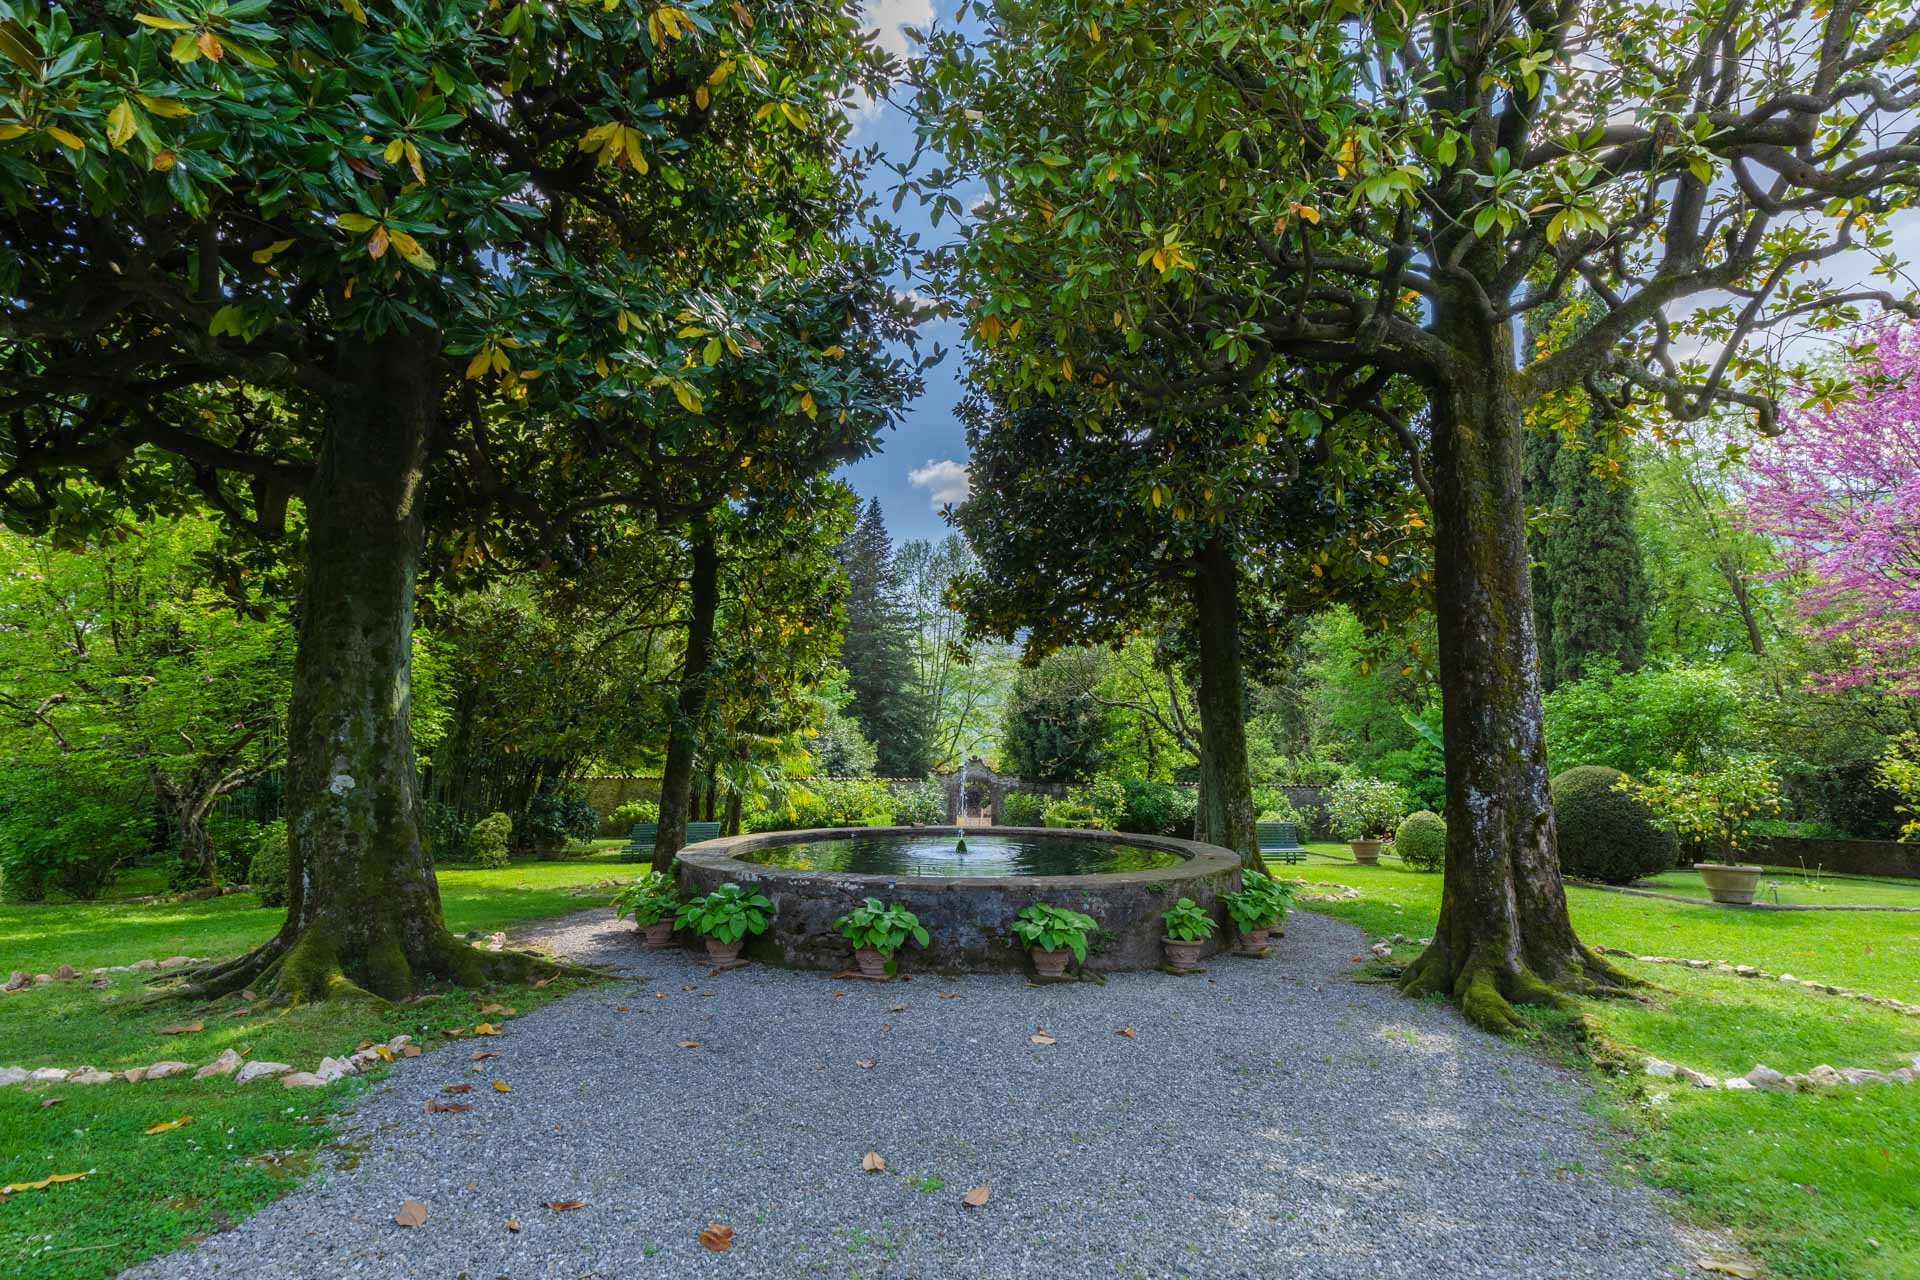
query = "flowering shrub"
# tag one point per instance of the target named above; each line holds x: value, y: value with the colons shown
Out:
x: 1899, y: 772
x: 1717, y: 808
x: 1365, y: 808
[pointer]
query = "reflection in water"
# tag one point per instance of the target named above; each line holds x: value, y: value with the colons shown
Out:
x: 981, y: 855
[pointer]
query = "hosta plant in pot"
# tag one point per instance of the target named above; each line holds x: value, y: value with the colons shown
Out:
x: 1364, y: 811
x: 1188, y: 928
x: 877, y: 930
x: 726, y: 918
x: 1257, y: 909
x: 651, y: 901
x: 1717, y: 809
x: 1052, y: 934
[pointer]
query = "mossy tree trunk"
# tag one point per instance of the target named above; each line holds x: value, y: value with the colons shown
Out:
x: 363, y: 911
x: 1503, y: 936
x: 690, y: 708
x: 1226, y: 786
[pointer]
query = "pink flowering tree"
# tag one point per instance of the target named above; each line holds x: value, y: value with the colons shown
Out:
x: 1839, y: 490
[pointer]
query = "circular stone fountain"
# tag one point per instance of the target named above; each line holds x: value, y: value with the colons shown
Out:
x: 966, y: 896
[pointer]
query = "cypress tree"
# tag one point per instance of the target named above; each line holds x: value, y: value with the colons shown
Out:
x: 1589, y: 578
x: 878, y: 650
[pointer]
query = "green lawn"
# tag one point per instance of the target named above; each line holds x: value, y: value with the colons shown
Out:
x: 1791, y: 888
x: 148, y: 1194
x: 1820, y: 1186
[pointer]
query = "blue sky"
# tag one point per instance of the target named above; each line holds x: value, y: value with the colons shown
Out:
x: 923, y: 461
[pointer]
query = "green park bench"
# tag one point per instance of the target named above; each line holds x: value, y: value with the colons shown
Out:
x: 1279, y: 842
x: 639, y: 845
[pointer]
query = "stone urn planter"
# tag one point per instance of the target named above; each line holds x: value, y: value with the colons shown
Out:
x: 1366, y: 852
x: 658, y: 935
x: 1729, y: 882
x: 1050, y: 964
x: 724, y: 952
x: 1183, y: 955
x: 872, y: 961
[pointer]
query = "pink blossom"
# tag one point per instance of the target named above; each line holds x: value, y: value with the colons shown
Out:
x: 1839, y: 492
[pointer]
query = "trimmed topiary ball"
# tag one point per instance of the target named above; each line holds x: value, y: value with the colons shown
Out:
x: 488, y: 840
x: 1608, y: 835
x: 268, y: 871
x: 1421, y: 841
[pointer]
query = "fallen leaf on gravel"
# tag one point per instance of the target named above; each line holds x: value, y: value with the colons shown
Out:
x: 412, y: 1214
x: 865, y: 1064
x: 165, y: 1125
x: 482, y: 1055
x: 873, y: 1162
x: 621, y: 1008
x: 501, y: 1086
x: 435, y: 1107
x: 409, y: 1051
x: 976, y: 1197
x: 949, y: 995
x: 562, y: 1206
x: 184, y: 1029
x: 48, y: 1181
x: 717, y: 1238
x: 541, y: 984
x: 50, y: 1102
x: 838, y: 994
x: 1128, y: 1032
x: 896, y: 1008
x: 496, y: 1008
x: 454, y: 1031
x: 1040, y: 1036
x: 689, y: 1044
x: 458, y: 1088
x: 1728, y: 1267
x: 486, y: 1029
x: 659, y: 995
x: 513, y: 1225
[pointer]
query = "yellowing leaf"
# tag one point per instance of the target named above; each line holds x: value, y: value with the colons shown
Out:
x: 412, y: 1214
x: 563, y: 1206
x: 209, y: 44
x: 69, y: 140
x: 163, y: 24
x: 977, y: 1197
x: 717, y: 1238
x: 501, y: 1086
x: 165, y: 1125
x: 873, y: 1162
x: 486, y: 1029
x: 121, y: 124
x: 355, y: 222
x: 50, y: 1180
x: 267, y: 254
x: 8, y: 132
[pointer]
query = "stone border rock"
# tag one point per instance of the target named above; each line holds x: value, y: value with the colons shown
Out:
x: 1768, y: 1080
x: 968, y: 917
x: 1749, y: 971
x: 229, y: 1063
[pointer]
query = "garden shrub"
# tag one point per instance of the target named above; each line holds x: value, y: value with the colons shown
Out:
x: 235, y: 840
x: 488, y: 840
x: 1105, y: 798
x: 1365, y: 808
x: 925, y: 803
x: 626, y: 817
x: 267, y: 873
x: 1067, y: 813
x: 1270, y: 804
x: 1021, y: 809
x: 1421, y: 841
x: 1157, y: 809
x: 69, y: 832
x: 1607, y: 834
x: 559, y: 814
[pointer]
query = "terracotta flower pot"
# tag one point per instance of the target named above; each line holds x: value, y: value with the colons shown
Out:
x: 659, y: 934
x: 1183, y: 955
x: 872, y: 960
x: 1727, y: 882
x: 1366, y: 852
x: 724, y: 952
x: 1050, y: 964
x: 1254, y: 941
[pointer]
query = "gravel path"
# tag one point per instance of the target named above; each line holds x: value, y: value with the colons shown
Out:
x: 1271, y: 1119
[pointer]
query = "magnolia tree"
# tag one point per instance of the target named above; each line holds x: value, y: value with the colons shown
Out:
x: 1190, y: 201
x: 463, y: 284
x: 1839, y: 491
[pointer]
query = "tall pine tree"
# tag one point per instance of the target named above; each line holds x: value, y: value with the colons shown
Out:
x: 878, y: 651
x: 1589, y: 580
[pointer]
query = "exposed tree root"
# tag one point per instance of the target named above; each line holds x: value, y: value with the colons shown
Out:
x: 1487, y: 987
x: 308, y: 968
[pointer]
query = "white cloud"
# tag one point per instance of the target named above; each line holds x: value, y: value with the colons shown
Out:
x: 944, y: 480
x: 892, y: 16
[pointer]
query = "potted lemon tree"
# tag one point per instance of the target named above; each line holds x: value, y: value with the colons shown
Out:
x: 651, y: 901
x: 877, y: 930
x: 1364, y: 811
x: 1718, y: 809
x: 725, y: 919
x: 1052, y: 934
